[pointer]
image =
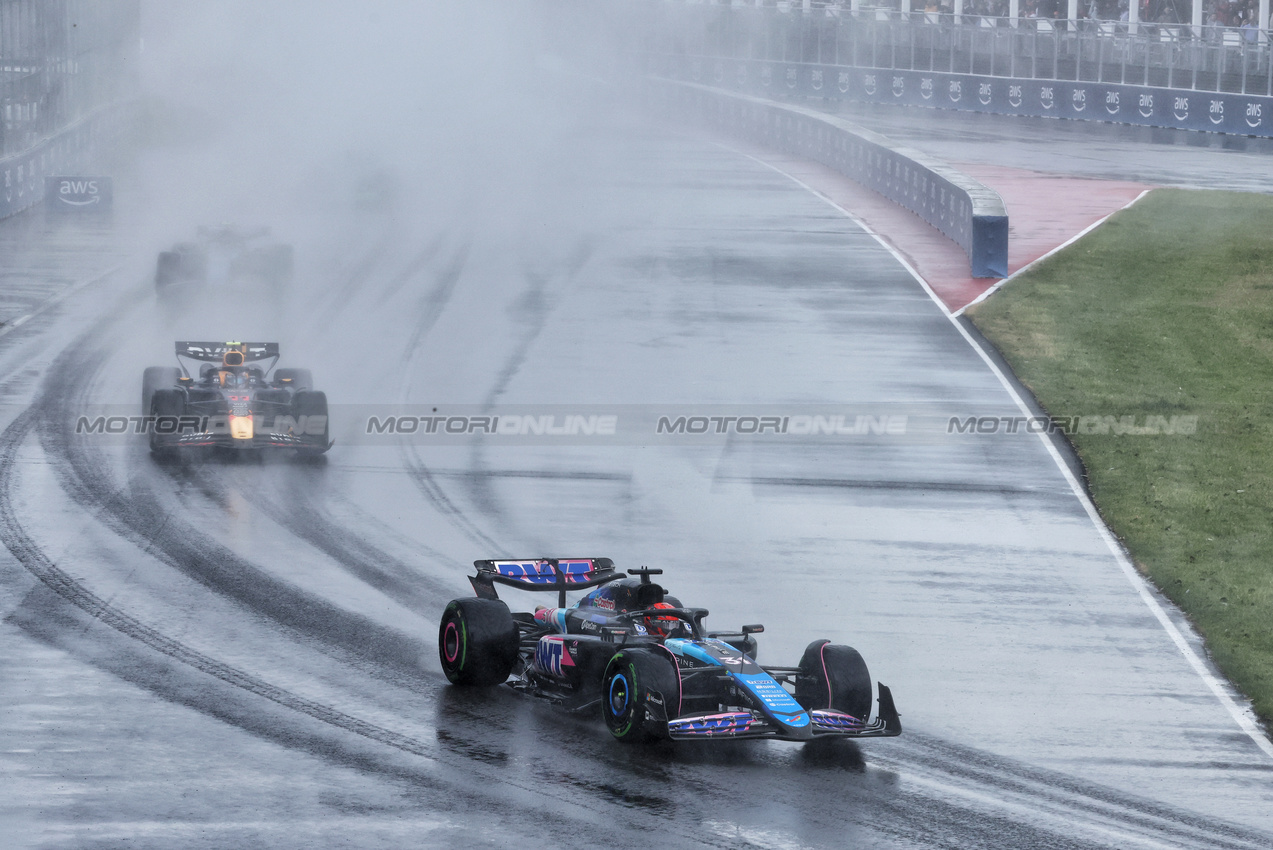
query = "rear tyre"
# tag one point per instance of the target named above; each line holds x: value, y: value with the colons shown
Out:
x: 313, y: 404
x: 640, y: 693
x: 168, y: 405
x: 185, y: 263
x: 477, y: 642
x: 167, y: 269
x: 834, y: 677
x: 157, y: 378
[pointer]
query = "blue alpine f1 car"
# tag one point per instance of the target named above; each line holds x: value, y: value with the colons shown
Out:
x: 648, y: 662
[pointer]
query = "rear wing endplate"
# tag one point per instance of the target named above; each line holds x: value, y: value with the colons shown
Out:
x: 539, y: 574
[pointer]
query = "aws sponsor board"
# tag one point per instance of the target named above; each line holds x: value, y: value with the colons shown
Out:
x: 78, y: 194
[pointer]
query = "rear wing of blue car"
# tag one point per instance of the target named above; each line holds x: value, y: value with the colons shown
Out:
x: 540, y: 574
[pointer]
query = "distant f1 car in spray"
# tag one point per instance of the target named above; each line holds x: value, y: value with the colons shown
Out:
x: 648, y: 663
x: 236, y: 399
x: 227, y: 258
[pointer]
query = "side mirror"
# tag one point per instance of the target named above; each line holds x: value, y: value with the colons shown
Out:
x: 754, y: 629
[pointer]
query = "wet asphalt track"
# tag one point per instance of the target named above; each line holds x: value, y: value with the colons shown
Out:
x: 234, y: 653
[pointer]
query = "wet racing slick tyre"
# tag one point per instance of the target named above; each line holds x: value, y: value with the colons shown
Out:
x: 834, y: 677
x: 477, y: 642
x: 310, y: 404
x: 167, y: 269
x: 185, y: 263
x: 298, y: 379
x: 640, y: 693
x: 157, y: 378
x: 168, y: 405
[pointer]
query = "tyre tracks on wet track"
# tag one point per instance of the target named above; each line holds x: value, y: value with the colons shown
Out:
x: 430, y: 307
x: 920, y: 791
x: 936, y: 794
x: 33, y: 558
x: 132, y: 511
x: 535, y: 304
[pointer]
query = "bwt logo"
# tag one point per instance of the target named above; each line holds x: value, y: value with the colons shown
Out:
x: 549, y: 656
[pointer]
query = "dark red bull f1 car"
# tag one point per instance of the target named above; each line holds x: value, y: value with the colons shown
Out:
x: 648, y: 662
x: 229, y: 394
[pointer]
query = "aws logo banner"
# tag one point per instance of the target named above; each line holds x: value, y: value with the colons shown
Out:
x: 84, y: 194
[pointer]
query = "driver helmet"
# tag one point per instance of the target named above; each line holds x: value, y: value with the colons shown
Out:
x: 663, y: 625
x: 232, y: 373
x: 232, y: 378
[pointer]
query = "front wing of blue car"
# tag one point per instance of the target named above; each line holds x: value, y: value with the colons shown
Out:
x: 814, y: 724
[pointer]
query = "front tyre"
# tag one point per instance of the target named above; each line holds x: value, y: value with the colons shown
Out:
x: 640, y: 693
x: 834, y: 677
x: 157, y: 378
x: 310, y: 407
x: 477, y: 642
x: 170, y: 406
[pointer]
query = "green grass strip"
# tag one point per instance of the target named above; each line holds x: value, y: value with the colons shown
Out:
x: 1162, y: 314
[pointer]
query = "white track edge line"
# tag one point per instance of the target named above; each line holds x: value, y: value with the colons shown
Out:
x: 1068, y: 242
x: 1245, y: 718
